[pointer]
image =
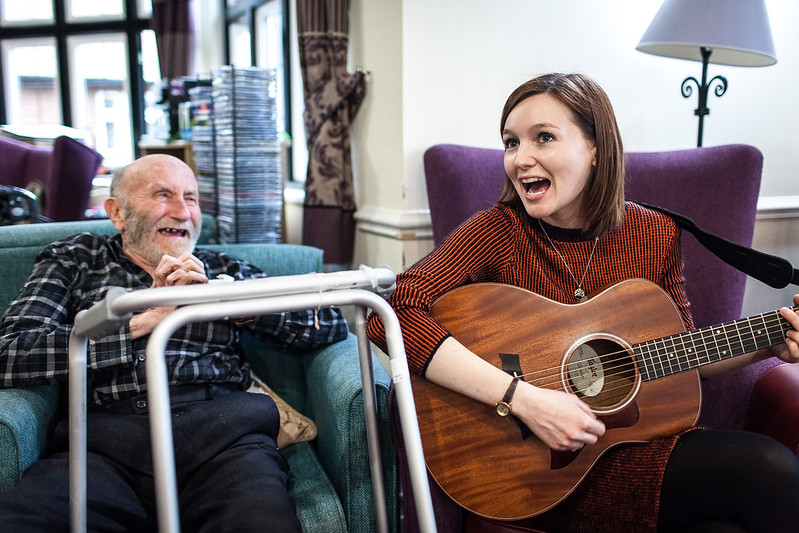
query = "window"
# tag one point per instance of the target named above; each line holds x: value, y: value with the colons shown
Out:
x: 256, y: 35
x: 100, y: 93
x: 81, y: 63
x: 32, y: 93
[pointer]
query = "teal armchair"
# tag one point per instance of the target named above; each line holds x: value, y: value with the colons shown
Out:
x: 330, y: 478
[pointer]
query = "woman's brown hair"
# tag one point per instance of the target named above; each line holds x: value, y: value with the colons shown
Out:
x: 603, y: 201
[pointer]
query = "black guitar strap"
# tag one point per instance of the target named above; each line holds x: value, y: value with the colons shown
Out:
x: 770, y: 269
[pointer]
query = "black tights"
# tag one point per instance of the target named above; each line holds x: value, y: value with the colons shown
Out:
x: 730, y: 481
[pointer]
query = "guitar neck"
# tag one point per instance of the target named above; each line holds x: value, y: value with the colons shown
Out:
x: 685, y: 351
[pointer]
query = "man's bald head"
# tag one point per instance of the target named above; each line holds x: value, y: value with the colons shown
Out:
x: 141, y: 168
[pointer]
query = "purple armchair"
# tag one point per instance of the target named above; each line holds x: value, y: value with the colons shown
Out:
x: 718, y: 188
x: 64, y: 172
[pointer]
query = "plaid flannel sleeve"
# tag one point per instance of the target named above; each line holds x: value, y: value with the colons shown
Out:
x: 34, y: 333
x: 302, y: 330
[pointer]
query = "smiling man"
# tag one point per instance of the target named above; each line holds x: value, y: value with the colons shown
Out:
x: 155, y: 206
x: 231, y: 476
x: 156, y: 215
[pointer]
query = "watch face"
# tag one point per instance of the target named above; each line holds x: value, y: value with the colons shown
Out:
x: 503, y: 409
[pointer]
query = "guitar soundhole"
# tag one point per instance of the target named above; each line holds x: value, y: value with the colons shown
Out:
x: 602, y: 373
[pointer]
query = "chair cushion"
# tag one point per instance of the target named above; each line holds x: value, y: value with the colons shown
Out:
x: 680, y: 180
x: 64, y: 172
x: 318, y: 505
x: 14, y: 157
x: 73, y: 168
x: 461, y: 180
x: 774, y: 406
x: 24, y: 416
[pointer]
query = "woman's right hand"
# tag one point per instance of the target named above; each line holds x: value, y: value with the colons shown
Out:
x: 561, y: 420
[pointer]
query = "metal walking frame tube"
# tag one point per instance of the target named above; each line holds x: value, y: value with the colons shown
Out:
x: 77, y: 431
x: 92, y: 323
x: 372, y: 430
x: 379, y: 279
x: 241, y: 299
x: 401, y: 377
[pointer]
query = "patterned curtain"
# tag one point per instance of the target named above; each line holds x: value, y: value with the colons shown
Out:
x: 174, y: 35
x: 332, y: 98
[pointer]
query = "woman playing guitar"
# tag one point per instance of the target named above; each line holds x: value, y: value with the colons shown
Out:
x: 563, y: 231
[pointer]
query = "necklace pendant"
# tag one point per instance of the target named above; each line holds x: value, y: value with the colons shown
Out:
x: 579, y: 293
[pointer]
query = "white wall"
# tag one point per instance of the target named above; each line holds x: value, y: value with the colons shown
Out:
x: 463, y: 57
x: 459, y: 59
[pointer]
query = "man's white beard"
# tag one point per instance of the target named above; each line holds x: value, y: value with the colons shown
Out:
x: 141, y: 237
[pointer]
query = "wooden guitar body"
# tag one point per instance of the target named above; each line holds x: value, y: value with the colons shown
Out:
x: 484, y: 462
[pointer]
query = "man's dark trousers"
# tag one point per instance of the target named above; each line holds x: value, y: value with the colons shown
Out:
x: 230, y: 474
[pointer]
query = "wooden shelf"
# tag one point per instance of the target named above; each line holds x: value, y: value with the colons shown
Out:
x: 181, y: 149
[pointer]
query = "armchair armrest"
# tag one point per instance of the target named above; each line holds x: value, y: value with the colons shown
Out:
x: 774, y: 405
x: 335, y: 402
x: 24, y: 420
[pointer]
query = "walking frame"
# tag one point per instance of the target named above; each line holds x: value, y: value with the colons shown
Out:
x: 363, y: 288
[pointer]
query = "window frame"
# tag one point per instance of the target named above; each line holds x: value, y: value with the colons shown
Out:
x: 244, y: 11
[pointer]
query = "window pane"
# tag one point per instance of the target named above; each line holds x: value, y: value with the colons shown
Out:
x: 27, y: 11
x: 269, y: 50
x: 100, y: 89
x: 81, y: 10
x: 151, y: 69
x: 31, y: 85
x: 240, y: 54
x: 145, y: 9
x: 156, y: 117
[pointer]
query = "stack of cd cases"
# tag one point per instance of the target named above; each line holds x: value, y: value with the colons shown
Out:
x: 249, y: 185
x: 203, y: 145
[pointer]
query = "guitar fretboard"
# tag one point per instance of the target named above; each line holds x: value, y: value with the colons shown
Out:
x: 685, y: 351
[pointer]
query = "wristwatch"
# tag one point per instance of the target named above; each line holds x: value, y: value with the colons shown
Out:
x: 503, y: 406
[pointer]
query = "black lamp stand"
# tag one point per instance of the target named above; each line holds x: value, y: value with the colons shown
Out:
x: 687, y: 90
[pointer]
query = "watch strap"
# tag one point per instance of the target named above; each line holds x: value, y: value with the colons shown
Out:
x: 511, y: 389
x: 504, y: 406
x: 512, y: 365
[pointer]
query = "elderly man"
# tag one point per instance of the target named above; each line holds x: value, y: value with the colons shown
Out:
x: 231, y: 476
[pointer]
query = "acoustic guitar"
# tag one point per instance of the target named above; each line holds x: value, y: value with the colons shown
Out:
x: 624, y: 352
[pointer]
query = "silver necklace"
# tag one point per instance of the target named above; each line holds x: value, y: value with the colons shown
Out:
x: 579, y: 293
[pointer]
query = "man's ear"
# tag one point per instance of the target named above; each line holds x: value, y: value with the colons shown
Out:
x: 115, y: 213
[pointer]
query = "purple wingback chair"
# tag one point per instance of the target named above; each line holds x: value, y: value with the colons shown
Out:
x: 65, y: 172
x: 718, y: 188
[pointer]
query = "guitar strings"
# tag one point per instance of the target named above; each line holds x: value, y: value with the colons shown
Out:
x: 703, y: 345
x: 614, y: 362
x: 631, y: 364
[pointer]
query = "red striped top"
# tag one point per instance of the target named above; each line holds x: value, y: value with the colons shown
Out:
x: 503, y: 246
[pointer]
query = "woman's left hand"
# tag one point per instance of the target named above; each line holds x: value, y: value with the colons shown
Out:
x: 789, y: 352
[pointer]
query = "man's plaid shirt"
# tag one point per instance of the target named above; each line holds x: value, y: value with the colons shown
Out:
x: 73, y: 274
